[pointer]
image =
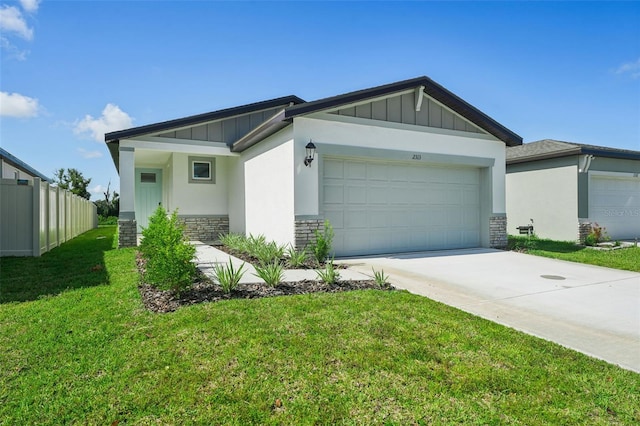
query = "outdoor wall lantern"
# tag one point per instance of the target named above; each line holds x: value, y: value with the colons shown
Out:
x: 311, y: 153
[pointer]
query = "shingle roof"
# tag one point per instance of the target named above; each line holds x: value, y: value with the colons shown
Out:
x: 549, y: 148
x: 22, y: 165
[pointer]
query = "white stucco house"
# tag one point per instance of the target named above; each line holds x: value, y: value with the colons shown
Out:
x: 566, y: 187
x: 396, y: 168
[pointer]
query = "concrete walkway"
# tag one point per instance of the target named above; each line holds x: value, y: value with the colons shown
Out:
x: 591, y: 309
x: 208, y: 256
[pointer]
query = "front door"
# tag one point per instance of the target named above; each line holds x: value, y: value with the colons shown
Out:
x: 148, y: 194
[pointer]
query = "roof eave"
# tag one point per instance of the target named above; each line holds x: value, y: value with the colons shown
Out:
x: 264, y: 130
x: 431, y: 88
x: 544, y: 156
x: 200, y: 118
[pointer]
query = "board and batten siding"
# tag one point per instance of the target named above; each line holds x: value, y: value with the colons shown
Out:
x: 402, y: 109
x: 227, y: 131
x: 37, y: 217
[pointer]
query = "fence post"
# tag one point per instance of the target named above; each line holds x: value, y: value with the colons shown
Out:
x: 35, y: 215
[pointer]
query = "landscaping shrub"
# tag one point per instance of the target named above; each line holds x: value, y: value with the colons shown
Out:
x: 328, y: 275
x: 272, y: 273
x: 167, y: 253
x: 233, y: 241
x: 268, y: 253
x: 597, y: 235
x: 227, y: 276
x: 107, y: 220
x: 322, y: 245
x: 296, y: 258
x: 380, y: 278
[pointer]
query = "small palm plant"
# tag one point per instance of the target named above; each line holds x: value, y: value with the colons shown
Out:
x: 296, y: 258
x: 272, y: 273
x: 380, y: 278
x: 328, y: 275
x: 227, y: 276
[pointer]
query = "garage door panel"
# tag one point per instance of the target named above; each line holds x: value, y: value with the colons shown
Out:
x: 399, y: 196
x: 401, y: 240
x: 395, y: 207
x: 356, y: 171
x: 377, y: 172
x: 333, y: 169
x: 454, y: 218
x: 378, y: 219
x: 614, y: 203
x: 355, y: 219
x: 335, y: 218
x: 471, y: 219
x: 333, y: 194
x: 399, y: 218
x: 437, y: 240
x: 356, y: 194
x: 376, y: 195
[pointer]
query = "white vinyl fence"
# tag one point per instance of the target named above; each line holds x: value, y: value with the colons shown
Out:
x: 35, y: 217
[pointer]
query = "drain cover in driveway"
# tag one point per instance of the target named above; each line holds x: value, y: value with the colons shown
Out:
x: 553, y: 277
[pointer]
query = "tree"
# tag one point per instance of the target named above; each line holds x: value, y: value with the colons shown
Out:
x: 72, y: 180
x: 110, y: 206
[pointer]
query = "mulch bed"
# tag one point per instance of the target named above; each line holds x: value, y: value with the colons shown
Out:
x: 203, y: 290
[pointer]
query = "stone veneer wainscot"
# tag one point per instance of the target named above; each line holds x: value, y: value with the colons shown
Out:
x: 498, y: 231
x: 205, y: 228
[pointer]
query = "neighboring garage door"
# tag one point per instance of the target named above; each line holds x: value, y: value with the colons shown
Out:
x: 614, y: 202
x: 391, y: 207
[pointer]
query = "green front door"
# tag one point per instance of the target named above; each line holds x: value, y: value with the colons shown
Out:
x: 148, y: 194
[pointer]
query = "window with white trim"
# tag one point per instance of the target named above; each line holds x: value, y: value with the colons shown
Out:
x: 202, y: 170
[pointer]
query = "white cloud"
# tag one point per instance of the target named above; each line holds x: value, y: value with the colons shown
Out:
x: 89, y: 154
x: 12, y: 50
x: 12, y: 21
x: 112, y: 118
x: 630, y: 68
x: 30, y: 5
x: 98, y: 189
x: 17, y: 105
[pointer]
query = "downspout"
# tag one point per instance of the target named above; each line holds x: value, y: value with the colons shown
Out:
x: 585, y: 163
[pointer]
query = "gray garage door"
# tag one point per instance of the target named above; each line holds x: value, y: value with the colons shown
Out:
x: 614, y: 202
x: 390, y: 207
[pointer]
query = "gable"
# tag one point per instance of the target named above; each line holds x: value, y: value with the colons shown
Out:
x: 226, y: 131
x: 410, y: 108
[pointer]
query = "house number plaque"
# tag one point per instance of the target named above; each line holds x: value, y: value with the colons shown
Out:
x: 416, y: 157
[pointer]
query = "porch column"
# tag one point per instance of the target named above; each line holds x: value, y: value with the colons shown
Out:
x: 127, y: 226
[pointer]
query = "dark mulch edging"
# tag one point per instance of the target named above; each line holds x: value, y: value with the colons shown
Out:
x: 162, y: 301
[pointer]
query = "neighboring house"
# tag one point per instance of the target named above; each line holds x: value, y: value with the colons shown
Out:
x: 401, y: 167
x: 566, y: 187
x: 13, y: 168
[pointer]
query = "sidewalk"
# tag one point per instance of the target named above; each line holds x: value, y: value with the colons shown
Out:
x: 208, y: 256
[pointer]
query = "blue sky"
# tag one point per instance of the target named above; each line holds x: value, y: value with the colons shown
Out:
x: 71, y: 70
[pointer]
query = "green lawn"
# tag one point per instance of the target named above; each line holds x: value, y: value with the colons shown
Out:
x: 78, y: 348
x: 628, y: 258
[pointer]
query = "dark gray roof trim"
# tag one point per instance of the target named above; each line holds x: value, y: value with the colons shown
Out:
x: 431, y: 88
x: 549, y: 148
x: 264, y: 130
x: 201, y: 118
x: 22, y: 165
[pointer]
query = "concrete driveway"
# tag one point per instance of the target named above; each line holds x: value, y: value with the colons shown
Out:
x: 591, y: 309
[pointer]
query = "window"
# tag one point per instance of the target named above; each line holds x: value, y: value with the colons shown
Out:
x: 147, y: 177
x: 202, y: 170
